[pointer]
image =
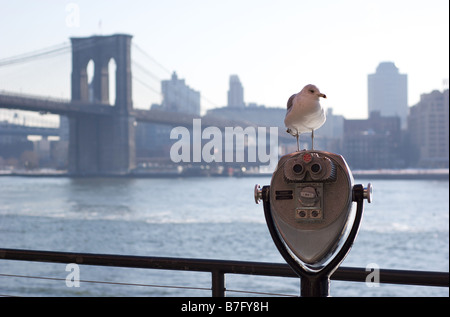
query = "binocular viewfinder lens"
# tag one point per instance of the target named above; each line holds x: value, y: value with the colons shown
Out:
x: 316, y: 168
x: 297, y: 168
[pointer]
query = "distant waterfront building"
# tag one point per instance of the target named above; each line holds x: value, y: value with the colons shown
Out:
x: 373, y: 143
x: 179, y: 97
x: 153, y: 142
x: 428, y: 127
x: 388, y: 92
x: 235, y: 93
x: 12, y: 144
x: 259, y: 115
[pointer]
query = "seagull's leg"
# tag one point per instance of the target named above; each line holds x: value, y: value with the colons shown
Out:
x: 298, y: 146
x: 312, y: 140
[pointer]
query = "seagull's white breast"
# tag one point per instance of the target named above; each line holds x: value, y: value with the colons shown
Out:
x: 305, y: 115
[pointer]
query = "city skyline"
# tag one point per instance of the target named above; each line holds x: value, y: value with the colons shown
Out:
x: 274, y: 48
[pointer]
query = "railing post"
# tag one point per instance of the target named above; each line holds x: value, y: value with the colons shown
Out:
x: 218, y: 283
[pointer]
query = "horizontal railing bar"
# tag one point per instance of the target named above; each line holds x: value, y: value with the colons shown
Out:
x: 145, y: 262
x: 406, y: 277
x: 388, y: 276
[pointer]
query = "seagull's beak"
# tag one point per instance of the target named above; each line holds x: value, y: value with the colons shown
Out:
x: 323, y: 95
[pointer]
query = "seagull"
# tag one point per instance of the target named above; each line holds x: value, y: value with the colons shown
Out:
x: 304, y: 113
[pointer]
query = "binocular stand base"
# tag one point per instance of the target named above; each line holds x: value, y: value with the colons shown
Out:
x: 315, y: 284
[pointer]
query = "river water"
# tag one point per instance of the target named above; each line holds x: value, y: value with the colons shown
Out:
x: 406, y: 227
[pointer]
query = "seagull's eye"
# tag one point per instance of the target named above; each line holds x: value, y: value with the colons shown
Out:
x: 311, y: 91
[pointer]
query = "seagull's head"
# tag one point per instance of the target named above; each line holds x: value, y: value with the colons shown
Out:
x: 312, y: 91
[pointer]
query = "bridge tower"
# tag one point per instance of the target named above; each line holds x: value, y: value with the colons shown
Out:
x: 102, y: 144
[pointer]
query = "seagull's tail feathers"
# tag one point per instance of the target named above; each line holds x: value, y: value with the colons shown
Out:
x: 292, y: 132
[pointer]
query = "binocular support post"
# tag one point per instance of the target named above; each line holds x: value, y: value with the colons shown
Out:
x: 316, y: 284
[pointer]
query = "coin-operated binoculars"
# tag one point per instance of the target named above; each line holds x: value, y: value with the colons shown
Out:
x: 309, y: 210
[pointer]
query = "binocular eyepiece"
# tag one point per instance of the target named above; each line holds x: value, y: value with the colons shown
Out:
x: 309, y: 167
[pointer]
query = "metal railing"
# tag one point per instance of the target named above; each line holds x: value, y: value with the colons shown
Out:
x: 218, y: 268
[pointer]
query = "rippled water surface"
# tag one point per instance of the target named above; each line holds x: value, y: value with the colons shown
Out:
x: 406, y: 227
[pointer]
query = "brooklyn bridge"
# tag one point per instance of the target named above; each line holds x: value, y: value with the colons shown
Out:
x: 101, y: 134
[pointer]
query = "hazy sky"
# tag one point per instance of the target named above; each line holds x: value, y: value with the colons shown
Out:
x: 275, y: 47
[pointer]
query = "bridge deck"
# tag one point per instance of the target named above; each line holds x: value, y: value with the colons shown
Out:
x: 72, y: 108
x: 51, y: 105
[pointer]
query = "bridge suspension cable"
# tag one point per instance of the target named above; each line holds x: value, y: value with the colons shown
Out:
x: 146, y: 71
x: 37, y: 54
x: 151, y: 58
x: 153, y: 76
x: 51, y: 51
x: 143, y: 83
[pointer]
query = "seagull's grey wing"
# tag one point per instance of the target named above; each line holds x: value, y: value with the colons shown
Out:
x: 290, y: 100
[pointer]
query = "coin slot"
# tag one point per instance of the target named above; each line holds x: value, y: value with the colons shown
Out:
x: 284, y: 194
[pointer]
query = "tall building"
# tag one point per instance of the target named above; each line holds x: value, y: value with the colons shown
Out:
x: 235, y: 93
x: 428, y: 127
x: 388, y: 92
x: 179, y: 97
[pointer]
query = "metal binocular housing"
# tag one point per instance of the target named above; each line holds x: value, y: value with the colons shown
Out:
x: 310, y: 211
